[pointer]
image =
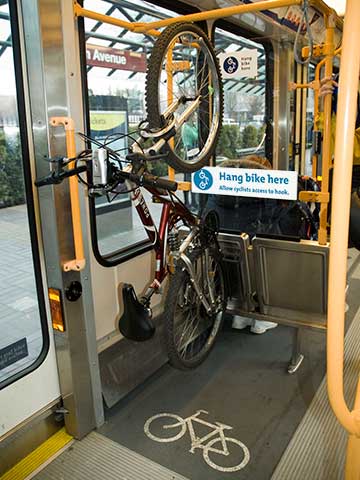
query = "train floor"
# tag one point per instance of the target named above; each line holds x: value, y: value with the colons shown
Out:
x: 243, y: 385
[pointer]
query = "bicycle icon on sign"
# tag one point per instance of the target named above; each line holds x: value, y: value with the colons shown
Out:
x: 214, y: 442
x: 203, y: 179
x: 231, y: 65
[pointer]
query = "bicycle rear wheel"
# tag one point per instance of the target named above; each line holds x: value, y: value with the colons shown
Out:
x: 196, y: 82
x: 190, y: 332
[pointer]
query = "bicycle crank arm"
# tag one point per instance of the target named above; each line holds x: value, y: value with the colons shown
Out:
x: 197, y: 288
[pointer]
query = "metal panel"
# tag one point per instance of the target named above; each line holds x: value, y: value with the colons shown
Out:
x: 54, y: 79
x: 234, y: 249
x: 98, y: 458
x: 292, y: 278
x: 127, y: 364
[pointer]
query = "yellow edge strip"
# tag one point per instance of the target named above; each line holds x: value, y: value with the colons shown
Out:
x: 39, y: 456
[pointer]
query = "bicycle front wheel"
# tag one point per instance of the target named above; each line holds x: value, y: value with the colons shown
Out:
x: 183, y: 68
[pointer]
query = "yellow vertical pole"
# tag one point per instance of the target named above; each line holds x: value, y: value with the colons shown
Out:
x: 316, y: 108
x: 340, y: 213
x: 326, y: 159
x: 170, y: 97
x: 79, y: 262
x: 316, y: 116
x: 304, y: 93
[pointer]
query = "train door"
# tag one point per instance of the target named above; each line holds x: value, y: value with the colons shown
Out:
x: 28, y: 371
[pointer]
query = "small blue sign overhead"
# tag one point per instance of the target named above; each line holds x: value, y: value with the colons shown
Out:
x: 230, y: 64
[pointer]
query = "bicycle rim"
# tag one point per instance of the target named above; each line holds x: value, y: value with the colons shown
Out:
x: 196, y: 81
x: 191, y: 332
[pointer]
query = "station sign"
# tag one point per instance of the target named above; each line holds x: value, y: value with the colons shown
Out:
x: 241, y: 64
x: 243, y: 182
x: 99, y: 56
x: 110, y: 124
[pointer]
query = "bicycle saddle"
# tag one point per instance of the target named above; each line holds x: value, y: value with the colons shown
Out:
x: 135, y: 323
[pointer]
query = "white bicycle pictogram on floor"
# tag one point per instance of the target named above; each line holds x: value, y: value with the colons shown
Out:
x: 164, y: 422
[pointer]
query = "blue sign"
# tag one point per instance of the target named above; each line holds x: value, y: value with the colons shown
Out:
x: 246, y: 182
x: 203, y: 179
x: 231, y: 65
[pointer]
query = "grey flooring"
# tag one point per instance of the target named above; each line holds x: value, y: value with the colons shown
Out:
x: 243, y: 384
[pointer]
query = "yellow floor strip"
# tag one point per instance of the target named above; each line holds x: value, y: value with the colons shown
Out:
x: 39, y: 456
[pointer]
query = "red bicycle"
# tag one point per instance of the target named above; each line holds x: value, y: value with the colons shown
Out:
x: 183, y: 93
x: 185, y: 247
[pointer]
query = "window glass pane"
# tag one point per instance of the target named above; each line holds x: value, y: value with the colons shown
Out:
x: 116, y: 66
x: 243, y: 131
x: 21, y: 339
x: 309, y: 122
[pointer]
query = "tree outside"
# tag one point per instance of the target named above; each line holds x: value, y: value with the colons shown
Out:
x: 256, y: 105
x: 250, y: 137
x: 11, y: 172
x: 229, y: 141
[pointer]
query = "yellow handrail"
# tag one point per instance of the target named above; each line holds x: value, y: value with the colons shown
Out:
x: 326, y: 159
x: 344, y: 146
x: 79, y: 262
x: 151, y: 27
x: 316, y: 108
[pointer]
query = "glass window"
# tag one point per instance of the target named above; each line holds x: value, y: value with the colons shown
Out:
x: 309, y: 122
x: 116, y: 66
x: 24, y: 335
x: 243, y: 131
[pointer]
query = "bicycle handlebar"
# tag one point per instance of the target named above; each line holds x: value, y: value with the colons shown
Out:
x: 151, y: 181
x: 56, y: 177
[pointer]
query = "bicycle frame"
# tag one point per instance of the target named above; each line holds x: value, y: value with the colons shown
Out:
x: 170, y: 214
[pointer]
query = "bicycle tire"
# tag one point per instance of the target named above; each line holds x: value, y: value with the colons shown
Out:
x: 166, y: 439
x: 179, y: 282
x: 153, y: 100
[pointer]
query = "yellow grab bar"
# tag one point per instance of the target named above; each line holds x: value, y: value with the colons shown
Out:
x: 344, y: 147
x: 151, y: 27
x: 326, y: 158
x: 79, y: 262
